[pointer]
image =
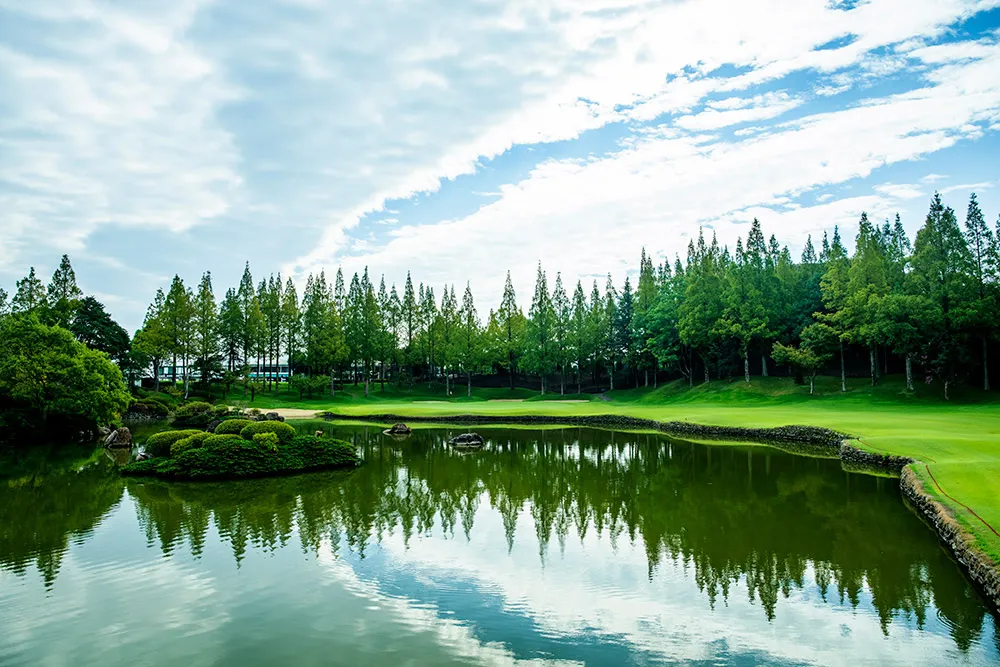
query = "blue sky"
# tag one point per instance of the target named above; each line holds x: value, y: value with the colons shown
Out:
x: 460, y: 140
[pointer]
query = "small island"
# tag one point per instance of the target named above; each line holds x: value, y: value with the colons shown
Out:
x: 238, y: 449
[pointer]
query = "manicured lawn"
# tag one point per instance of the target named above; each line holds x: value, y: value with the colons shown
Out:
x: 959, y: 440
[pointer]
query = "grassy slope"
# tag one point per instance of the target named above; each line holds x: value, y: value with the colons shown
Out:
x: 959, y: 441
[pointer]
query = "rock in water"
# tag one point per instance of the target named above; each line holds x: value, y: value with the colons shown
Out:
x: 467, y: 440
x: 400, y: 429
x: 119, y: 438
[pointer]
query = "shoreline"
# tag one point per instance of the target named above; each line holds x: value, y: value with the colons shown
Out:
x: 983, y: 571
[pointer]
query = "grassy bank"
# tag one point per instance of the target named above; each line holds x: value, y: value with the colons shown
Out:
x: 958, y: 442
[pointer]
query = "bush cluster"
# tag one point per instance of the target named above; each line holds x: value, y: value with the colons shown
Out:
x: 196, y: 413
x: 218, y: 439
x: 232, y: 426
x: 284, y: 432
x: 159, y: 444
x: 149, y: 407
x: 235, y: 457
x: 190, y: 442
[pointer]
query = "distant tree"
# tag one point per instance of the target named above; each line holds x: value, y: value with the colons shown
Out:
x: 63, y: 295
x: 231, y: 325
x: 152, y: 339
x: 611, y: 336
x: 469, y: 353
x: 561, y: 332
x: 93, y: 326
x: 539, y: 337
x: 834, y: 288
x: 512, y: 323
x: 205, y: 321
x: 580, y: 343
x: 979, y: 312
x: 30, y: 294
x: 291, y: 320
x: 703, y: 304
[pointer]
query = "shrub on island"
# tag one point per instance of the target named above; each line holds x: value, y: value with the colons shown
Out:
x: 159, y: 444
x: 232, y: 426
x: 284, y: 432
x: 190, y: 442
x: 229, y: 456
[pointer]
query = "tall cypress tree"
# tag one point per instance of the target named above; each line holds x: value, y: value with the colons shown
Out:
x: 63, y: 294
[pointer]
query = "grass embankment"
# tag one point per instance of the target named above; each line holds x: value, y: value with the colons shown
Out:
x: 957, y: 442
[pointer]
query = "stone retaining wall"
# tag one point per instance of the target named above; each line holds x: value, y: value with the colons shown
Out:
x: 856, y: 458
x: 980, y: 567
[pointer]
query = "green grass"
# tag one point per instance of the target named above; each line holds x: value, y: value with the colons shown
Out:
x: 958, y: 440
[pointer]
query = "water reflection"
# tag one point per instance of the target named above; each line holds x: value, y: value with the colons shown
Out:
x: 749, y: 526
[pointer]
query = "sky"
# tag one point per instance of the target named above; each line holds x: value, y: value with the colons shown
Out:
x: 460, y: 140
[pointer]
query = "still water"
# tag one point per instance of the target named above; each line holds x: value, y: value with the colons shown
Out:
x: 550, y: 547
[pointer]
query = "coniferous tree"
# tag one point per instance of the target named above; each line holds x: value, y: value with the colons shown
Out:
x: 597, y: 330
x: 611, y: 338
x: 469, y: 353
x: 978, y: 312
x: 623, y: 329
x: 30, y: 294
x: 178, y: 314
x: 579, y: 346
x: 702, y: 306
x: 231, y: 323
x: 94, y: 327
x: 206, y: 330
x: 245, y: 295
x: 539, y: 339
x: 511, y: 322
x: 834, y: 287
x: 63, y: 295
x: 152, y: 339
x: 291, y: 320
x: 561, y: 323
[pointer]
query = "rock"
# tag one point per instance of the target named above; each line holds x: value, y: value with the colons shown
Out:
x: 119, y: 438
x: 468, y: 440
x: 142, y: 456
x: 104, y: 431
x: 212, y: 425
x: 400, y: 429
x: 319, y: 434
x: 272, y: 417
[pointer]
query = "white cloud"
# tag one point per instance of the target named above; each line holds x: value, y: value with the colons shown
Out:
x: 576, y: 215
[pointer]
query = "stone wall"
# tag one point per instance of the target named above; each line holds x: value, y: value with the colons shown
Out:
x: 855, y: 458
x: 980, y: 567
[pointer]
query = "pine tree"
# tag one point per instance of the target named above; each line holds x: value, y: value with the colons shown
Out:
x: 178, y: 314
x: 206, y: 330
x: 579, y: 338
x: 30, y: 294
x: 410, y: 317
x: 152, y: 339
x: 469, y: 349
x: 645, y: 299
x: 63, y: 295
x: 540, y: 344
x: 612, y: 339
x: 231, y: 329
x: 597, y: 330
x: 867, y: 285
x: 979, y: 313
x: 245, y: 296
x: 623, y: 328
x: 291, y: 320
x: 4, y: 304
x: 512, y: 323
x: 561, y: 323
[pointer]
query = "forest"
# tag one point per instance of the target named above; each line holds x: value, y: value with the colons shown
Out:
x: 927, y: 307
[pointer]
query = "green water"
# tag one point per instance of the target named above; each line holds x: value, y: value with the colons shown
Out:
x: 550, y: 547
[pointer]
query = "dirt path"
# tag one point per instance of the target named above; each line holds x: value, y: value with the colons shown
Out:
x: 294, y: 413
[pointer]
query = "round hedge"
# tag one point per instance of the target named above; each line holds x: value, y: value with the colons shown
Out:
x: 190, y: 442
x: 217, y: 439
x: 284, y: 432
x: 232, y: 426
x: 159, y: 444
x: 196, y: 413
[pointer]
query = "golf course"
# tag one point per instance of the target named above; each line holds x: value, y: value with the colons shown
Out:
x: 956, y: 444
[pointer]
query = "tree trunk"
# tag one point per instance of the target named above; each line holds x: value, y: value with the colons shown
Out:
x: 986, y: 364
x: 562, y: 380
x: 707, y: 378
x: 763, y: 366
x: 333, y: 380
x: 510, y: 370
x: 843, y: 368
x: 812, y: 382
x: 874, y: 365
x: 946, y: 383
x: 447, y: 387
x: 656, y: 373
x: 579, y: 383
x: 468, y: 380
x: 746, y: 368
x: 909, y: 372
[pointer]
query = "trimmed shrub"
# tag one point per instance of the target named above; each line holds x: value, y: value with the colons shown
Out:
x: 237, y: 458
x: 220, y: 411
x: 197, y: 413
x: 269, y: 440
x: 159, y: 444
x: 149, y: 407
x: 284, y: 432
x: 190, y: 442
x: 232, y: 426
x: 217, y: 439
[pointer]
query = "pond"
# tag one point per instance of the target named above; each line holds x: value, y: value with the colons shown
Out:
x: 561, y: 546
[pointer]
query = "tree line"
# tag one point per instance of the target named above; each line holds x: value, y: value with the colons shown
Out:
x: 927, y: 306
